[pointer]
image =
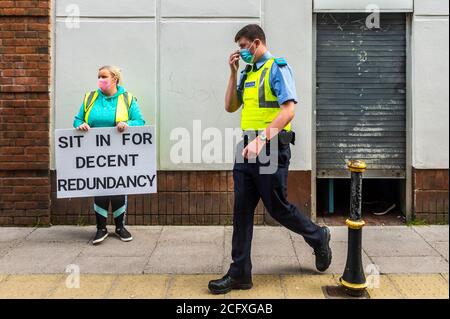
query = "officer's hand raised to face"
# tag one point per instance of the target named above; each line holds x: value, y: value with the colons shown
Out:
x: 233, y: 61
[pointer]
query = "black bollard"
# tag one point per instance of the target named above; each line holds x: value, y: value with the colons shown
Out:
x: 353, y: 279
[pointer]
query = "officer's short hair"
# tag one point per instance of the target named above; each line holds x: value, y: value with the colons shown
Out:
x: 251, y: 32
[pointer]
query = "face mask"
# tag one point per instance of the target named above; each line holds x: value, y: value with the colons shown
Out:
x: 104, y: 84
x: 246, y: 55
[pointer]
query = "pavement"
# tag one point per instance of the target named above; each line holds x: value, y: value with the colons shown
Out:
x: 178, y: 261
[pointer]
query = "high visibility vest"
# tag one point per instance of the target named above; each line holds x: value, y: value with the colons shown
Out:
x: 124, y: 101
x: 260, y: 104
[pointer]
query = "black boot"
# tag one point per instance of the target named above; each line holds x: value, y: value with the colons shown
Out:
x: 102, y: 232
x: 121, y: 231
x: 323, y: 252
x: 226, y: 284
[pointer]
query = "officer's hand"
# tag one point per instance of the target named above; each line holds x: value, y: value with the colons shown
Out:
x: 253, y: 149
x: 233, y: 61
x: 122, y: 126
x: 83, y: 127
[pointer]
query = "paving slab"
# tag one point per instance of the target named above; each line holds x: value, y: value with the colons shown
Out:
x: 140, y: 287
x: 4, y: 248
x: 264, y: 287
x: 91, y: 287
x: 433, y: 233
x: 9, y: 234
x: 442, y: 248
x: 36, y: 258
x: 421, y: 286
x: 182, y: 258
x: 63, y: 234
x: 383, y: 288
x: 191, y: 287
x: 272, y: 241
x: 193, y: 234
x: 395, y: 241
x: 28, y: 286
x: 403, y: 265
x: 3, y: 277
x: 111, y: 265
x: 306, y: 286
x: 143, y: 243
x: 195, y: 286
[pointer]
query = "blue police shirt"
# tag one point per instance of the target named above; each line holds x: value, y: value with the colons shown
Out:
x: 281, y: 81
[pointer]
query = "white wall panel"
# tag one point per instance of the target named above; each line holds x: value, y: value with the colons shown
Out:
x: 80, y: 52
x: 194, y: 74
x: 430, y: 93
x: 289, y: 34
x: 210, y: 8
x: 106, y: 8
x: 431, y: 7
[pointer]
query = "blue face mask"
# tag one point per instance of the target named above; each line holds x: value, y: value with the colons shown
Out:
x: 246, y: 55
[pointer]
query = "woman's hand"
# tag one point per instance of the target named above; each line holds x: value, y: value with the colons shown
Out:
x: 83, y: 127
x: 122, y: 126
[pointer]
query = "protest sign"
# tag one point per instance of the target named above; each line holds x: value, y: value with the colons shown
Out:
x: 103, y: 162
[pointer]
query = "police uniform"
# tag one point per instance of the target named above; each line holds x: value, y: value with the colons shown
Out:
x: 262, y: 89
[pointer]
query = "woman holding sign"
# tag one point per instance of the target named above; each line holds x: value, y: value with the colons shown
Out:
x: 110, y: 105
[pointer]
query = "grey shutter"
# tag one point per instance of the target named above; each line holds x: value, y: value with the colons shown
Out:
x: 361, y: 94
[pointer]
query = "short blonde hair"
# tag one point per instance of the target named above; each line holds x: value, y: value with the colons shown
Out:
x: 115, y: 72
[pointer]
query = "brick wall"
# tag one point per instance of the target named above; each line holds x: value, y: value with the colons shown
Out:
x: 24, y: 112
x: 183, y: 198
x: 431, y: 195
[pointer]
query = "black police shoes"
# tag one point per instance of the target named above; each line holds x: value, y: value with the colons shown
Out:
x: 226, y: 284
x: 323, y: 252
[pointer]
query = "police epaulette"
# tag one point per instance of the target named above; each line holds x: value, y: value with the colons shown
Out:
x: 281, y: 61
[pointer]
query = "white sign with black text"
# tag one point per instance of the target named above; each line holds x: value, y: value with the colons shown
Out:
x: 103, y: 162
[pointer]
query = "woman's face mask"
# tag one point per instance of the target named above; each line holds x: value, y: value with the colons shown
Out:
x: 104, y: 84
x: 247, y: 56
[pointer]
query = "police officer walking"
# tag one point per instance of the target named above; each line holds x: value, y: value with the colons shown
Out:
x: 266, y: 90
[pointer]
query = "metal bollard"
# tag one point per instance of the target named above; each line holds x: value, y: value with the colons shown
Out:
x: 353, y: 279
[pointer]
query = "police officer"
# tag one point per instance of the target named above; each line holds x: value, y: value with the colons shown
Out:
x: 267, y: 92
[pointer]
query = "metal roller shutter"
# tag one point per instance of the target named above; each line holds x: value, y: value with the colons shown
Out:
x: 361, y: 94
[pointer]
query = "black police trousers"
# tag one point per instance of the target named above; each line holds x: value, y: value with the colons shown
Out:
x: 250, y: 185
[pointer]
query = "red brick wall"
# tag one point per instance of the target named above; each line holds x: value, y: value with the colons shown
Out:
x: 431, y: 195
x: 24, y: 112
x: 183, y: 198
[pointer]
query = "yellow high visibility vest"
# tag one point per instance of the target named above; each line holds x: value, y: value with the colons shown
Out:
x: 124, y: 101
x: 260, y: 104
